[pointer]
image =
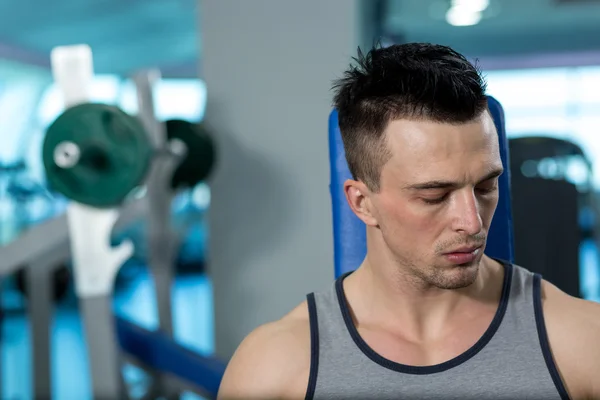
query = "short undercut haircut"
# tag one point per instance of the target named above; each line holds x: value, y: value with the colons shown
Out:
x: 415, y: 81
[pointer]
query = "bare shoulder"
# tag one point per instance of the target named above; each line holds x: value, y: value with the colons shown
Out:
x: 273, y: 361
x: 573, y: 327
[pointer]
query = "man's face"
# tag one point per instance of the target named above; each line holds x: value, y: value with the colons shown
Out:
x: 438, y: 194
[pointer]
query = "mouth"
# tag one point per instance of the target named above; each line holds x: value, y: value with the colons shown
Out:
x: 463, y: 255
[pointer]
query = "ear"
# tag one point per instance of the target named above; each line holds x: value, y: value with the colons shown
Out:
x: 359, y: 199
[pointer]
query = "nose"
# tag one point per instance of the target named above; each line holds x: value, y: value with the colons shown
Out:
x: 467, y: 218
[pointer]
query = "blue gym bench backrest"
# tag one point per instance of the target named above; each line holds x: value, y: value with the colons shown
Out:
x: 349, y: 234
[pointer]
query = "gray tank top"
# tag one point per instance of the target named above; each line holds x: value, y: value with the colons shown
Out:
x: 512, y: 360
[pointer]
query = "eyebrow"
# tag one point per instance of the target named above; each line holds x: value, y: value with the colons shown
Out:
x: 449, y: 184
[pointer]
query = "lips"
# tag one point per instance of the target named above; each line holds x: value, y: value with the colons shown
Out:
x: 463, y: 255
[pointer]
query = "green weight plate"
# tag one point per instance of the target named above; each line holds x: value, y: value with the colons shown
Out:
x: 96, y: 154
x: 200, y: 157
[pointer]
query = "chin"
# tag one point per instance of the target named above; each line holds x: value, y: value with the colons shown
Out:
x: 456, y: 276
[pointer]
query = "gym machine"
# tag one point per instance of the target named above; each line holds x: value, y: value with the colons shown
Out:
x: 541, y: 185
x: 97, y: 155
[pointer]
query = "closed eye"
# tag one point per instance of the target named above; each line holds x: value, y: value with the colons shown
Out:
x: 437, y: 200
x: 441, y: 199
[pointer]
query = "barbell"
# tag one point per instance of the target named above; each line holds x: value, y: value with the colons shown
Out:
x: 96, y: 154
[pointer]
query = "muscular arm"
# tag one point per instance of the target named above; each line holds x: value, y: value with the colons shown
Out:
x: 573, y: 327
x: 272, y: 362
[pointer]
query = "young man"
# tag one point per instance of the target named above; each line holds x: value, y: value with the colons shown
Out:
x: 427, y: 315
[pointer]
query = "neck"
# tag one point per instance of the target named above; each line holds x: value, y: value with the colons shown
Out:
x: 387, y: 294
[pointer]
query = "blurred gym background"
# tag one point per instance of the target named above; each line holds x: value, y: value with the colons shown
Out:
x: 541, y: 59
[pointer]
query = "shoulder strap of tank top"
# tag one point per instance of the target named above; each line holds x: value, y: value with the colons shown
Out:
x: 314, y: 345
x: 543, y: 337
x: 326, y: 323
x: 526, y: 304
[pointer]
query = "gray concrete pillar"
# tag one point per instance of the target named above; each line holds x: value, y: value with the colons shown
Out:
x: 268, y: 66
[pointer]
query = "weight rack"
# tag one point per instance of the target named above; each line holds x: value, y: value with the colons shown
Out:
x: 83, y: 235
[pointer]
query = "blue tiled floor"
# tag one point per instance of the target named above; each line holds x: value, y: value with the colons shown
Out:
x: 192, y: 313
